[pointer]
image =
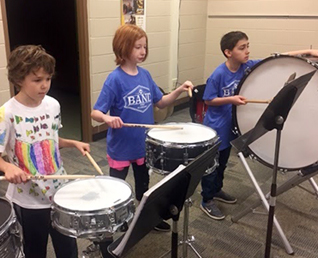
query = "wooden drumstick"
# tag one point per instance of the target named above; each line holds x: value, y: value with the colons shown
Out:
x: 190, y: 92
x: 258, y: 101
x: 98, y: 169
x: 42, y: 177
x: 154, y: 126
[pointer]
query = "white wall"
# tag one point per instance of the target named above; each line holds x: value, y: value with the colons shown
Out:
x: 272, y: 26
x: 192, y: 40
x: 4, y: 85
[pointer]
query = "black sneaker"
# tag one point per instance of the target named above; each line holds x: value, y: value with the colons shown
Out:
x: 162, y: 227
x: 224, y: 197
x: 212, y: 210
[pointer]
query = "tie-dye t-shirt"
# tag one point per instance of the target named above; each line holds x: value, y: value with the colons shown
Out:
x: 29, y: 137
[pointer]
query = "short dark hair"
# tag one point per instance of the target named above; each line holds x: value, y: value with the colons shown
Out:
x: 26, y: 59
x: 229, y: 40
x: 124, y: 41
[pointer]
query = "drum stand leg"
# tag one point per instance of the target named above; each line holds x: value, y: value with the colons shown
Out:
x: 314, y: 185
x: 259, y: 191
x: 92, y: 251
x: 292, y: 182
x: 187, y: 240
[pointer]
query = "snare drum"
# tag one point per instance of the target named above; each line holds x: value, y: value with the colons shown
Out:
x: 166, y: 149
x: 10, y: 238
x: 93, y: 208
x: 299, y: 141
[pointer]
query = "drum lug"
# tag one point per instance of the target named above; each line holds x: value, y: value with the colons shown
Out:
x: 275, y: 54
x: 162, y: 160
x: 75, y: 222
x: 185, y: 158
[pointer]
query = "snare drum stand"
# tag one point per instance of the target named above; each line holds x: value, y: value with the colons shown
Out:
x: 186, y: 239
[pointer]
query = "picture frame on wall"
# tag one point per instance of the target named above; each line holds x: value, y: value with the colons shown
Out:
x: 133, y: 12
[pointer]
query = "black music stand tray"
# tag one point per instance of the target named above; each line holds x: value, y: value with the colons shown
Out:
x: 273, y: 117
x: 164, y: 201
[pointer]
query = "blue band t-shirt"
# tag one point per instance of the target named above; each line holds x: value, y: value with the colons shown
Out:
x: 131, y: 97
x: 223, y: 83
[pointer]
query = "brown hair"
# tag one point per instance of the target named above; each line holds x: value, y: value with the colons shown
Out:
x: 124, y: 41
x: 229, y: 40
x: 26, y: 59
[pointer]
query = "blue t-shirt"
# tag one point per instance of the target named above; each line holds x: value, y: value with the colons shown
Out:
x: 223, y: 83
x: 131, y: 97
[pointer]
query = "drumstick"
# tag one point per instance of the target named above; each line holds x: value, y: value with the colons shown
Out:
x: 259, y: 101
x: 154, y: 126
x: 190, y: 92
x: 98, y: 169
x: 54, y: 177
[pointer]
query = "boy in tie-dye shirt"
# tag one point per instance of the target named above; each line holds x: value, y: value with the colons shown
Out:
x: 29, y: 124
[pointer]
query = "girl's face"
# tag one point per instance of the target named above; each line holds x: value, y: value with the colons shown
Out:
x: 139, y: 51
x: 34, y: 87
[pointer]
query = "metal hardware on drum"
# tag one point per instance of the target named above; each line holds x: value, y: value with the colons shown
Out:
x: 166, y: 150
x: 10, y: 232
x: 94, y: 209
x: 92, y: 251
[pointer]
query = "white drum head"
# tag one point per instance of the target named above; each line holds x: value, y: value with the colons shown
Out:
x: 92, y: 194
x: 299, y: 141
x: 191, y: 133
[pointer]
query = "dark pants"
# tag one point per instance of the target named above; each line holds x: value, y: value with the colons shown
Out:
x: 141, y: 178
x: 36, y: 227
x: 213, y: 183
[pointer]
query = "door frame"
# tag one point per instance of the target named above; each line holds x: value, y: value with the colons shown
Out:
x: 84, y: 68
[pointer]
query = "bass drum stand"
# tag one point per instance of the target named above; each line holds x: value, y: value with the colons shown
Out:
x: 273, y: 117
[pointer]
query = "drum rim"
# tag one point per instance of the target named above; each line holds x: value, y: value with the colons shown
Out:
x: 82, y: 212
x: 7, y: 223
x: 212, y: 140
x: 235, y: 127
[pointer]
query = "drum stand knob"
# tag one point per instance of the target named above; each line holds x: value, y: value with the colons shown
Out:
x: 92, y: 251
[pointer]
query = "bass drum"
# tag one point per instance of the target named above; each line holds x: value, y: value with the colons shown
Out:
x: 299, y: 141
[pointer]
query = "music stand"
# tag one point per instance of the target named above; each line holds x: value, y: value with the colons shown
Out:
x: 273, y: 117
x: 164, y: 201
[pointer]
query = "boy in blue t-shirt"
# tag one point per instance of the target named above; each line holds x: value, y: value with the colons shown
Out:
x: 219, y: 96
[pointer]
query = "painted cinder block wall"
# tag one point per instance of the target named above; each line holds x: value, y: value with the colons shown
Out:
x: 184, y: 36
x: 4, y: 84
x: 272, y: 26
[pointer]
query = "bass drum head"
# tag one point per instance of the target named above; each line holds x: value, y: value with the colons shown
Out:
x: 299, y: 141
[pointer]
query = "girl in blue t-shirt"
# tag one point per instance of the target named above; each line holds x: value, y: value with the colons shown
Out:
x: 128, y: 95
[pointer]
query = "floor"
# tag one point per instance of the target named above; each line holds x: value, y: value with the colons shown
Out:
x: 296, y: 212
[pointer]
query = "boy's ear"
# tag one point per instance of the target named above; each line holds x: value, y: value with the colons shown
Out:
x: 228, y: 52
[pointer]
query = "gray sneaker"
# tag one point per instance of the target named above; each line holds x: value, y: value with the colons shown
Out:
x: 212, y: 210
x: 224, y: 197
